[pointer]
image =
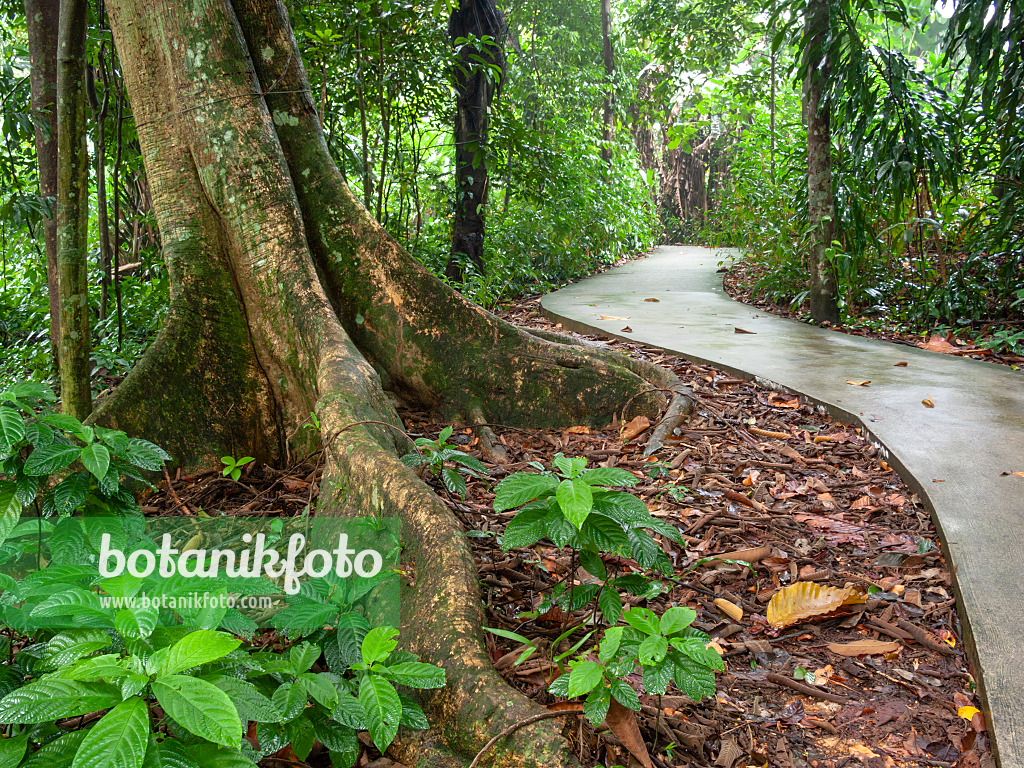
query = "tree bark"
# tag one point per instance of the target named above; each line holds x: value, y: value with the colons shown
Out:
x: 42, y: 18
x: 476, y: 86
x: 73, y: 211
x: 608, y: 140
x: 820, y: 201
x: 99, y: 113
x: 288, y: 298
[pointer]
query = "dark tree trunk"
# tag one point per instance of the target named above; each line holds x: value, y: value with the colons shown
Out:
x: 820, y: 201
x: 476, y: 86
x: 73, y: 211
x: 288, y: 298
x: 42, y: 17
x: 99, y: 113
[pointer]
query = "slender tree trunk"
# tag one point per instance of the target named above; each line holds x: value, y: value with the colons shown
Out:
x: 476, y: 86
x: 608, y: 140
x: 73, y: 211
x: 99, y: 113
x: 820, y: 200
x: 288, y: 298
x: 42, y: 17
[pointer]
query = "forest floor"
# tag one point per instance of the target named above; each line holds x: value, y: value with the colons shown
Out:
x: 741, y: 279
x: 768, y: 492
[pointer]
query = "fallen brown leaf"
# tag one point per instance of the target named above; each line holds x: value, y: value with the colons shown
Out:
x: 928, y: 402
x: 740, y: 330
x: 622, y: 723
x: 901, y: 364
x: 634, y: 428
x: 652, y: 299
x: 863, y: 648
x: 627, y: 329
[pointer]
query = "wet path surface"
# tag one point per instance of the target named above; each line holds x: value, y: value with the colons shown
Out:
x: 958, y: 455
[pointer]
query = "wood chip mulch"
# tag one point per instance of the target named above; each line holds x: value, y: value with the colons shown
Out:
x: 753, y: 475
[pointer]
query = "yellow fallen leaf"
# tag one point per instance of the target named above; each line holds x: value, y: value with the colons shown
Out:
x: 863, y: 648
x: 612, y: 317
x: 579, y: 430
x: 858, y: 383
x: 968, y: 712
x: 730, y: 609
x: 928, y: 402
x: 1018, y: 474
x: 805, y: 600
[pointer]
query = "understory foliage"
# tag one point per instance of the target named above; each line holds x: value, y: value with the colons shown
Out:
x: 927, y: 221
x: 172, y: 685
x: 577, y: 508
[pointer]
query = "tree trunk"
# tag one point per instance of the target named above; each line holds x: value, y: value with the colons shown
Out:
x: 99, y: 113
x: 476, y: 86
x: 608, y: 141
x: 73, y: 211
x: 288, y: 298
x: 42, y: 20
x: 820, y: 201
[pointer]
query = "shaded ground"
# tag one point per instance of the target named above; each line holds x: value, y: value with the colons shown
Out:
x: 754, y: 476
x: 741, y: 279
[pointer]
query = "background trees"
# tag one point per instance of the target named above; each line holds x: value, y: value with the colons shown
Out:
x: 703, y: 109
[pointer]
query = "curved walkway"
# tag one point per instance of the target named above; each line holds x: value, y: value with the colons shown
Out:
x: 953, y: 455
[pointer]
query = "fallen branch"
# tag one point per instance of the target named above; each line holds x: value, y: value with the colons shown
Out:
x: 922, y: 637
x: 807, y: 690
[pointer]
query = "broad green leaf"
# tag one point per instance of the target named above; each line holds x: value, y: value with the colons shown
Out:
x: 378, y: 643
x: 72, y: 644
x: 291, y: 699
x: 608, y: 476
x: 592, y: 562
x: 610, y: 644
x: 48, y: 459
x: 576, y: 500
x: 350, y: 712
x: 652, y: 649
x: 623, y: 693
x: 526, y: 528
x: 692, y: 678
x: 118, y: 740
x: 412, y: 714
x: 49, y: 699
x: 70, y: 493
x: 453, y: 482
x: 648, y: 553
x: 610, y: 604
x: 96, y: 459
x: 520, y: 488
x: 68, y: 424
x: 197, y: 648
x: 676, y: 619
x: 585, y: 675
x: 303, y: 618
x: 320, y: 689
x: 303, y: 656
x: 145, y: 455
x: 210, y: 756
x: 10, y: 509
x: 643, y: 619
x: 58, y: 753
x: 12, y: 429
x: 12, y: 750
x: 595, y: 707
x: 200, y: 708
x: 383, y: 709
x: 352, y: 628
x: 698, y: 650
x: 299, y: 733
x: 415, y: 674
x: 657, y: 676
x: 603, y: 533
x: 250, y: 703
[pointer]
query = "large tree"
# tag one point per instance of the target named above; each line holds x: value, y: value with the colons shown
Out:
x: 477, y: 30
x: 288, y: 298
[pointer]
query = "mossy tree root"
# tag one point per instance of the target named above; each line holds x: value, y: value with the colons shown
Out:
x: 287, y: 299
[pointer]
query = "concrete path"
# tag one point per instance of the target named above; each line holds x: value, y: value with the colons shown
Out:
x: 953, y: 455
